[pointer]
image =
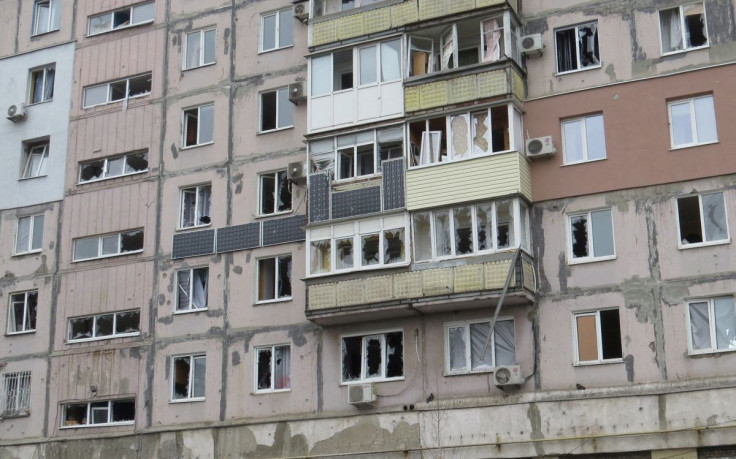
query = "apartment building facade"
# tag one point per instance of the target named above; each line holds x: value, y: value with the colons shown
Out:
x: 380, y: 228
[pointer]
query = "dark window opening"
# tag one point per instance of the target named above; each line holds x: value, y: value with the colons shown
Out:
x: 136, y: 162
x: 131, y: 241
x: 82, y: 328
x: 121, y: 18
x: 342, y: 70
x: 104, y: 324
x: 611, y: 334
x: 127, y: 322
x: 284, y: 277
x: 689, y: 218
x: 75, y: 415
x: 92, y: 170
x: 267, y: 193
x: 351, y: 358
x: 191, y: 123
x: 395, y: 354
x: 264, y: 369
x: 123, y: 410
x: 268, y: 111
x: 394, y: 242
x: 181, y: 377
x: 579, y: 236
x: 370, y: 249
x: 373, y: 357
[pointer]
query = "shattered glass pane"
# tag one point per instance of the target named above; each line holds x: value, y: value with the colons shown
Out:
x: 181, y: 378
x: 370, y: 249
x: 422, y: 236
x: 136, y: 162
x: 284, y: 288
x: 131, y: 241
x: 505, y: 236
x: 699, y: 326
x: 31, y: 304
x: 456, y: 338
x: 81, y: 328
x: 204, y: 195
x: 351, y: 358
x: 579, y: 228
x: 373, y: 356
x: 123, y: 410
x: 139, y: 86
x: 443, y: 241
x: 283, y: 195
x: 183, y: 290
x: 344, y: 253
x: 281, y: 367
x: 75, y: 414
x: 481, y: 133
x: 725, y: 315
x: 393, y: 244
x: 484, y: 220
x: 127, y: 322
x: 320, y: 253
x: 695, y: 25
x: 394, y: 354
x: 118, y: 90
x: 264, y: 369
x: 267, y: 189
x: 714, y: 217
x: 460, y: 131
x: 463, y: 230
x: 688, y: 210
x: 104, y: 325
x: 91, y: 170
x: 478, y: 337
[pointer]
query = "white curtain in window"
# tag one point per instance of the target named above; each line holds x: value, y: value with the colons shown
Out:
x: 430, y: 150
x: 199, y: 293
x: 24, y: 231
x: 282, y: 368
x: 456, y: 337
x: 699, y: 326
x: 714, y: 213
x: 492, y: 38
x: 182, y: 282
x: 725, y: 323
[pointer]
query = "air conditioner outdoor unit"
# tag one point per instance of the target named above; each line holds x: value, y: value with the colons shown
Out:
x: 296, y: 172
x: 296, y: 93
x: 540, y: 147
x: 361, y: 394
x: 532, y: 44
x: 17, y: 112
x: 301, y: 11
x: 508, y: 376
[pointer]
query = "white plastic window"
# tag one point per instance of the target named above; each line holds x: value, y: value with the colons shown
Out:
x: 140, y: 14
x: 584, y: 139
x: 116, y: 91
x: 692, y: 122
x: 108, y: 245
x: 200, y: 48
x: 577, y: 47
x: 277, y: 30
x: 597, y: 336
x: 199, y: 124
x: 191, y: 289
x: 45, y: 16
x: 42, y: 85
x: 376, y: 357
x: 104, y: 326
x: 683, y: 28
x: 702, y: 219
x: 195, y: 206
x: 468, y: 348
x: 276, y: 110
x: 29, y: 234
x: 591, y: 236
x: 115, y: 166
x: 22, y: 312
x: 273, y: 368
x: 188, y: 377
x: 712, y: 324
x: 36, y: 158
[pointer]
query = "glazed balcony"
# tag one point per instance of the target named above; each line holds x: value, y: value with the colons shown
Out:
x: 421, y: 288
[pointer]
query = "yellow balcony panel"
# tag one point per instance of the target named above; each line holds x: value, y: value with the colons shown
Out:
x: 476, y: 179
x: 433, y: 287
x: 351, y: 26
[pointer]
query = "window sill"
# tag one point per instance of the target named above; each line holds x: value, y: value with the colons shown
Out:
x: 275, y: 214
x: 695, y: 245
x: 119, y: 101
x: 30, y: 252
x: 709, y: 352
x: 361, y: 269
x: 26, y: 332
x: 102, y: 338
x: 598, y: 362
x: 276, y: 300
x: 275, y: 130
x: 111, y: 178
x: 569, y: 72
x: 270, y: 391
x: 12, y: 415
x: 266, y: 51
x: 190, y: 311
x: 357, y: 179
x: 576, y: 163
x: 33, y: 104
x: 371, y: 381
x: 468, y: 373
x: 188, y: 400
x: 132, y: 26
x: 41, y: 34
x: 686, y: 50
x: 132, y: 252
x: 23, y: 179
x: 582, y: 261
x: 190, y: 147
x: 109, y: 424
x: 195, y: 227
x: 692, y: 145
x: 209, y: 64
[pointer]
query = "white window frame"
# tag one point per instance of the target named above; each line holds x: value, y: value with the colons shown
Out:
x: 34, y: 219
x: 44, y: 71
x: 130, y: 9
x: 337, y: 232
x: 280, y: 93
x: 31, y: 151
x: 576, y: 29
x: 583, y: 139
x: 15, y: 394
x: 592, y: 257
x: 191, y: 307
x: 275, y: 175
x: 202, y: 36
x: 109, y: 99
x: 683, y: 31
x: 713, y: 349
x: 277, y: 261
x: 276, y: 31
x: 680, y: 244
x: 384, y: 361
x: 94, y: 318
x: 197, y: 210
x: 106, y: 167
x: 190, y: 389
x: 468, y: 345
x: 90, y: 414
x: 100, y: 239
x: 272, y: 385
x: 693, y: 122
x: 199, y: 142
x: 599, y: 337
x: 26, y: 312
x: 49, y: 26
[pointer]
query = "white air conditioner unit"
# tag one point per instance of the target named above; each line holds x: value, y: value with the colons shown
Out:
x: 508, y: 376
x: 301, y: 11
x: 540, y: 147
x: 17, y: 112
x: 532, y: 44
x: 361, y: 394
x: 296, y: 172
x: 296, y: 93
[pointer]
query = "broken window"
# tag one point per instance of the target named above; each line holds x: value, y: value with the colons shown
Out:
x: 465, y: 344
x: 712, y: 324
x: 463, y: 230
x: 274, y: 278
x: 584, y: 139
x: 702, y: 219
x: 598, y: 336
x: 422, y: 57
x: 370, y: 249
x: 373, y: 357
x: 356, y: 155
x: 375, y: 64
x: 200, y: 48
x: 492, y: 39
x: 443, y: 234
x: 273, y: 368
x: 36, y: 158
x: 115, y: 166
x: 277, y: 30
x: 324, y: 7
x: 117, y: 90
x: 591, y: 236
x: 683, y: 28
x: 393, y: 245
x: 98, y: 413
x: 320, y: 256
x: 109, y: 245
x: 22, y: 312
x: 104, y: 326
x: 577, y: 47
x: 342, y: 70
x: 199, y: 124
x: 390, y: 144
x: 188, y: 377
x: 428, y: 141
x: 15, y: 398
x: 275, y: 193
x: 130, y: 16
x: 276, y: 110
x: 29, y: 234
x: 344, y: 255
x: 45, y: 16
x: 42, y: 84
x: 422, y: 236
x: 692, y: 122
x: 191, y: 289
x: 195, y: 206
